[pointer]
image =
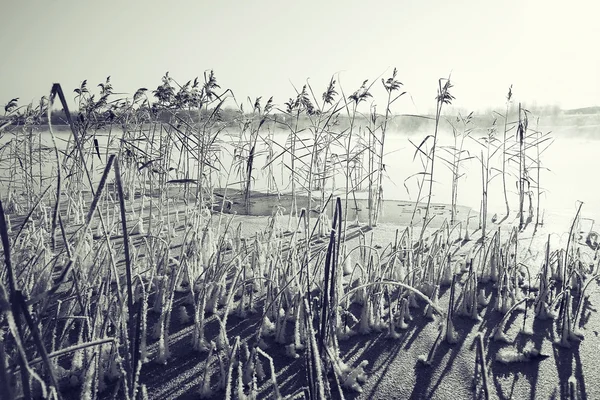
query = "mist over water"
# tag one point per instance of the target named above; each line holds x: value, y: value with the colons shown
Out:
x: 567, y: 175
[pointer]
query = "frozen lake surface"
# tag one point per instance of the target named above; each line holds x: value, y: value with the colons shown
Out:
x: 569, y: 169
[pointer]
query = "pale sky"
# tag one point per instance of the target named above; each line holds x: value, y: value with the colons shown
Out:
x: 548, y: 50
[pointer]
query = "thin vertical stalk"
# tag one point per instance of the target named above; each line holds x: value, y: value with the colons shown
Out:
x: 442, y: 98
x: 508, y: 97
x: 128, y: 267
x: 14, y: 300
x: 537, y: 147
